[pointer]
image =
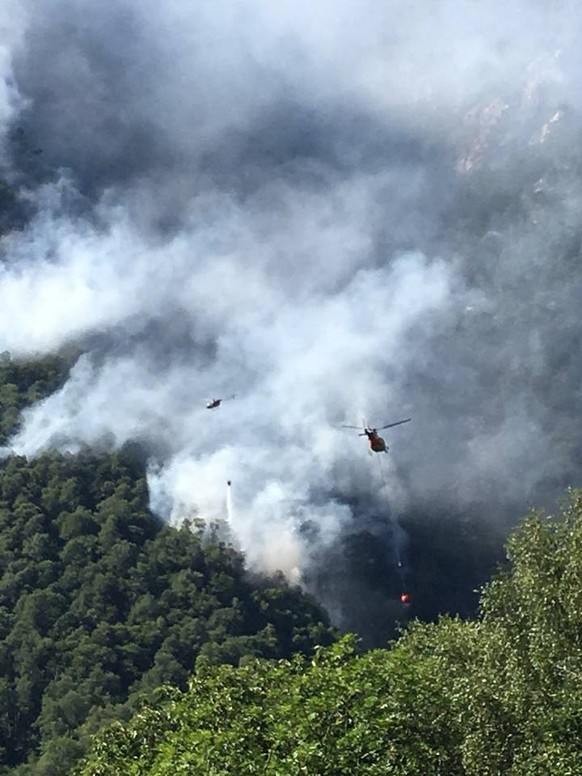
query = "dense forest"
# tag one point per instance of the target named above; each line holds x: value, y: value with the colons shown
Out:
x: 101, y: 603
x: 501, y: 694
x: 112, y: 621
x: 22, y: 383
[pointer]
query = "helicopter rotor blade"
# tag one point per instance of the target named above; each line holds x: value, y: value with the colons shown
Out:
x: 357, y: 428
x: 398, y: 423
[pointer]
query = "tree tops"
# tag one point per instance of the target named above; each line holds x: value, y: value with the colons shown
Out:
x: 101, y: 603
x: 502, y: 694
x: 24, y: 382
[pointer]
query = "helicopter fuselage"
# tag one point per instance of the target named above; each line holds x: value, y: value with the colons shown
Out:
x: 377, y: 443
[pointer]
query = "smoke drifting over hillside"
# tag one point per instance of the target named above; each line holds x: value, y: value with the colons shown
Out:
x: 333, y: 211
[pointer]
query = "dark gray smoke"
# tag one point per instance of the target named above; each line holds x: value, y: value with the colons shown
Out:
x: 334, y: 211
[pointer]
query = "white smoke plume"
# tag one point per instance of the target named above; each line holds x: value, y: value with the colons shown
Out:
x: 333, y: 210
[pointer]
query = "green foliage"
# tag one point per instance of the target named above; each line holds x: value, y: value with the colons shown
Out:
x: 337, y: 714
x: 501, y: 695
x: 100, y: 603
x: 22, y: 383
x: 102, y: 608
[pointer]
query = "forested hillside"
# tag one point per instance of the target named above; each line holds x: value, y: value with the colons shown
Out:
x: 22, y: 383
x: 101, y: 603
x: 499, y: 695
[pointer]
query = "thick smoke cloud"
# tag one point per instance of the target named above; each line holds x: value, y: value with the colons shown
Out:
x: 334, y: 211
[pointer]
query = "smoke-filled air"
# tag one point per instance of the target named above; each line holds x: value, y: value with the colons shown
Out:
x: 337, y: 212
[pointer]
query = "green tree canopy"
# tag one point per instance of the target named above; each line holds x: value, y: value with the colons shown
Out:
x: 499, y: 695
x: 24, y: 382
x: 101, y: 603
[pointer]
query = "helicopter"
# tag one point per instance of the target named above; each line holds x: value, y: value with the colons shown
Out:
x: 377, y: 443
x: 214, y: 403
